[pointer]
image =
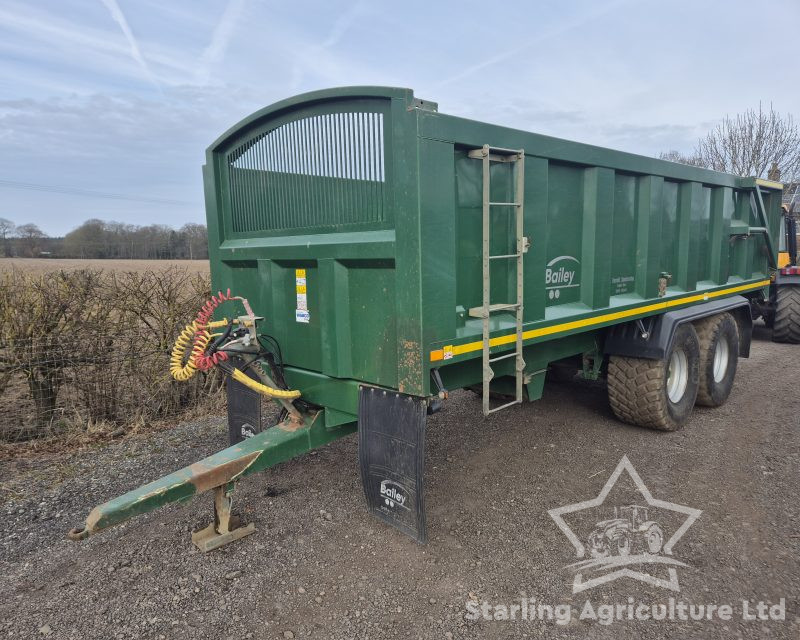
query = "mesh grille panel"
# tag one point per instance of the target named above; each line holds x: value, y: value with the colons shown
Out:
x: 317, y: 171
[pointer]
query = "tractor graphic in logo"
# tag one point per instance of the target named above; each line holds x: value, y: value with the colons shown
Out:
x: 629, y: 531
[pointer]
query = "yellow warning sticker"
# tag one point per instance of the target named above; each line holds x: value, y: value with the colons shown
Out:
x: 301, y: 313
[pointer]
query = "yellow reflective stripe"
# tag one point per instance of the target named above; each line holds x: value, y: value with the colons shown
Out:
x: 459, y: 349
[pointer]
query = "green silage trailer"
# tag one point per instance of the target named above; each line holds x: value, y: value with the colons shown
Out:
x: 391, y: 253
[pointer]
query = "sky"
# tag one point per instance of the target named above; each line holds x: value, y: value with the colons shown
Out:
x: 107, y: 106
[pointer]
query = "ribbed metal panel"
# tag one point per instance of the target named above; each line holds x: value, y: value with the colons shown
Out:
x: 312, y: 172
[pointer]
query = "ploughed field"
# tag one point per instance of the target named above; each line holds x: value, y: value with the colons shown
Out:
x: 319, y: 566
x: 43, y: 265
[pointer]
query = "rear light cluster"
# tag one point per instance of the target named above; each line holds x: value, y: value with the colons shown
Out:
x: 790, y: 271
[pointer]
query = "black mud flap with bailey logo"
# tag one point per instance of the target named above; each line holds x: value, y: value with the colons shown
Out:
x: 244, y: 406
x: 391, y: 451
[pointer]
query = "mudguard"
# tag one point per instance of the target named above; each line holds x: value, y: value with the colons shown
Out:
x: 244, y: 407
x: 391, y: 451
x: 627, y: 339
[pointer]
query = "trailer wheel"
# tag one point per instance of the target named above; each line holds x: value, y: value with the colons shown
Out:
x: 658, y: 394
x: 719, y: 355
x: 787, y: 315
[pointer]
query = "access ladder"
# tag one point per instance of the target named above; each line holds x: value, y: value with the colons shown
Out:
x: 487, y: 155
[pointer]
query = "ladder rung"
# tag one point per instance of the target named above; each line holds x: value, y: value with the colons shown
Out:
x: 500, y: 150
x: 480, y: 312
x: 505, y: 255
x: 504, y: 150
x: 504, y: 356
x: 505, y: 406
x: 502, y: 306
x: 497, y: 155
x: 504, y: 204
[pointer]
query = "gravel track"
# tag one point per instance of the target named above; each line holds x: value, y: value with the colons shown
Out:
x: 320, y: 566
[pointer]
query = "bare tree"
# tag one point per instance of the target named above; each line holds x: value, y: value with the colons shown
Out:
x: 196, y: 238
x: 31, y: 236
x: 6, y: 229
x: 676, y: 156
x: 749, y: 143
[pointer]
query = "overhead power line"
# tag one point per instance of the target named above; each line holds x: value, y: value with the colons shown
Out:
x: 74, y: 191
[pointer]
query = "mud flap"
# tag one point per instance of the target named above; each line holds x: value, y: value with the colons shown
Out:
x: 244, y: 407
x: 391, y: 451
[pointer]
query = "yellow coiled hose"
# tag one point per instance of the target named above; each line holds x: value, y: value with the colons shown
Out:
x: 196, y: 335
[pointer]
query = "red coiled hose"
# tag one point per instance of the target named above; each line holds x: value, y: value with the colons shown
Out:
x: 203, y: 361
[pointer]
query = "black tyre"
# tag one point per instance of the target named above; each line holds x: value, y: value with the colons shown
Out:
x: 658, y: 394
x: 787, y: 315
x: 719, y: 355
x: 654, y: 538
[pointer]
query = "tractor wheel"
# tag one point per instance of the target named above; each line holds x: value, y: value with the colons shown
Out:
x: 658, y: 394
x: 787, y: 315
x: 719, y: 354
x: 624, y: 546
x: 655, y: 538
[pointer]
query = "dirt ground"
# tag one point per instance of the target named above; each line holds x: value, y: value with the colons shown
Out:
x: 43, y: 265
x: 320, y: 566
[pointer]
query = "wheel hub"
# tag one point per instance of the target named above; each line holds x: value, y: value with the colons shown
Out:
x: 721, y: 357
x: 677, y: 376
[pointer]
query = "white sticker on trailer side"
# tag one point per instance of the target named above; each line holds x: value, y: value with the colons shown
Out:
x: 301, y: 315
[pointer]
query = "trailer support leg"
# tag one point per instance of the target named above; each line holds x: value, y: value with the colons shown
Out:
x: 225, y: 527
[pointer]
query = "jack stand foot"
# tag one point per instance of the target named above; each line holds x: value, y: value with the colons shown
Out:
x: 225, y: 528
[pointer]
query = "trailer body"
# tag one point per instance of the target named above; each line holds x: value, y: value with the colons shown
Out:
x: 395, y: 252
x: 372, y: 196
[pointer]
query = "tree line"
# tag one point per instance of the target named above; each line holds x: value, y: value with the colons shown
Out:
x: 102, y: 239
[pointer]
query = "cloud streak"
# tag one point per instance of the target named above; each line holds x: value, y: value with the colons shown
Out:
x: 214, y: 53
x: 558, y: 31
x: 136, y: 54
x: 318, y: 57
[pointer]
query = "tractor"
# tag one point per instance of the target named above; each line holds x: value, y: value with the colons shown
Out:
x: 628, y: 531
x: 781, y: 310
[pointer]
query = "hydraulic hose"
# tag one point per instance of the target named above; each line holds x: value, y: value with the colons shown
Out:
x: 272, y: 392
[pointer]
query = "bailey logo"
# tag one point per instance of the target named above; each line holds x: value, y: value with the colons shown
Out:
x: 561, y: 273
x: 628, y: 539
x: 394, y: 494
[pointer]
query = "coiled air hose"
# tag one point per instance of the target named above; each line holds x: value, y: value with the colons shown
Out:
x: 198, y: 334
